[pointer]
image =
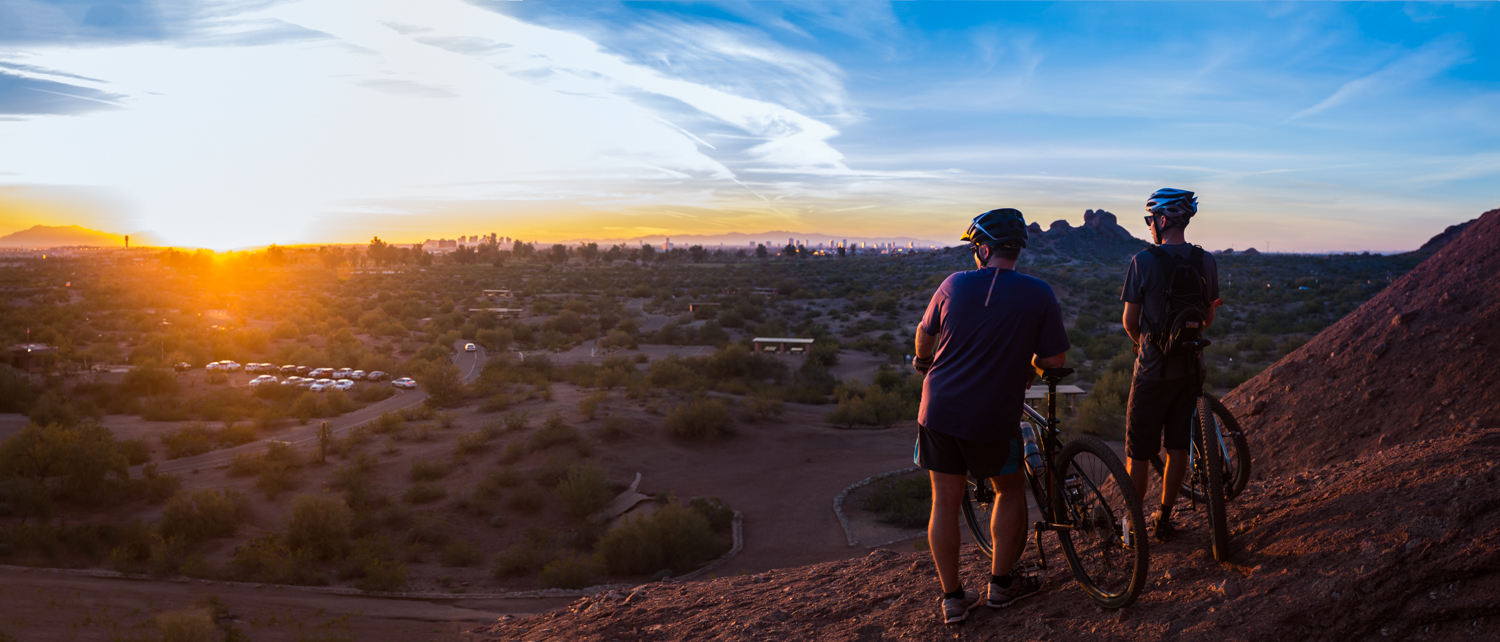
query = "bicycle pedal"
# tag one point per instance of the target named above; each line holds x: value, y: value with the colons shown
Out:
x: 1031, y: 569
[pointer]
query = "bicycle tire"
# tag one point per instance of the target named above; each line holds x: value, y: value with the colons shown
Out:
x: 1213, y: 471
x: 978, y: 505
x: 1236, y: 463
x: 1093, y: 494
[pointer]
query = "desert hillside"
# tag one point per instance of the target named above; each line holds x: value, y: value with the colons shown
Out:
x: 1415, y: 362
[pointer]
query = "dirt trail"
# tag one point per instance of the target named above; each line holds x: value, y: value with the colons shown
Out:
x: 41, y: 605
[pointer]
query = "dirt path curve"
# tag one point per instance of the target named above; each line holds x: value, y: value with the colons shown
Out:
x: 39, y: 605
x: 470, y: 364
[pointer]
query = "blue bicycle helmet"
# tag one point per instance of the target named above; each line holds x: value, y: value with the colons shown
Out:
x: 1172, y: 203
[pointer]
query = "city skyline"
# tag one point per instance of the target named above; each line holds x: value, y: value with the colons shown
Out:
x: 1313, y: 128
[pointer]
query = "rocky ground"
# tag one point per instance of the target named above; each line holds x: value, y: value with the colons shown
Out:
x: 1415, y: 362
x: 1403, y: 544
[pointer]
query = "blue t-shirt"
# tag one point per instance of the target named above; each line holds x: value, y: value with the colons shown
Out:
x: 983, y: 363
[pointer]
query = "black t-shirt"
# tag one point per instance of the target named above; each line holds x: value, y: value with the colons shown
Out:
x: 1146, y: 284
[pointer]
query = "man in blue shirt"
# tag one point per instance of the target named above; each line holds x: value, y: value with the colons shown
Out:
x: 983, y: 332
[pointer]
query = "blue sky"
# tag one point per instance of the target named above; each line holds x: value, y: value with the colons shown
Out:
x: 1306, y: 126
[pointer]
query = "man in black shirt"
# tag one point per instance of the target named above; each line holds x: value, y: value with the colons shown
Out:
x: 1164, y: 389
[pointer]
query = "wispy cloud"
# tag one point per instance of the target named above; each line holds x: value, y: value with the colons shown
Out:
x: 1409, y: 69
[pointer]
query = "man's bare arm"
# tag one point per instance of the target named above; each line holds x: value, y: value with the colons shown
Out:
x: 925, y: 344
x: 1054, y: 361
x: 1132, y: 322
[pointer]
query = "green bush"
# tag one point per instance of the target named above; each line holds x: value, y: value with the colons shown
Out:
x: 372, y: 394
x: 428, y: 531
x: 195, y: 625
x: 585, y: 489
x: 202, y: 514
x: 589, y: 406
x: 428, y: 470
x: 136, y: 451
x: 904, y: 503
x: 568, y: 572
x: 425, y: 493
x: 308, y: 406
x: 513, y: 453
x: 614, y: 428
x: 154, y: 486
x: 719, y: 515
x: 461, y: 554
x: 516, y: 421
x: 507, y: 477
x: 320, y: 525
x: 700, y: 419
x: 553, y: 471
x: 1102, y: 412
x: 555, y: 431
x: 517, y: 561
x: 470, y: 443
x: 274, y: 480
x: 674, y: 537
x: 189, y: 441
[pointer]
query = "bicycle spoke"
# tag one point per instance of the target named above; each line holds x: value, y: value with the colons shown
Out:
x: 1106, y: 541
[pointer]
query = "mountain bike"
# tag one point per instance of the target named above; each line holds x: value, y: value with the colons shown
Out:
x: 1085, y: 496
x: 1235, y: 448
x: 1215, y: 475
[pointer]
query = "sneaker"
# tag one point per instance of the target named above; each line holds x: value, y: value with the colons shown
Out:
x: 957, y: 609
x: 1164, y: 528
x: 1021, y: 586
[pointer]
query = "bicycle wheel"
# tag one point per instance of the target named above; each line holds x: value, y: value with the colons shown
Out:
x: 1106, y: 542
x: 1235, y: 455
x: 978, y: 505
x: 1213, y: 468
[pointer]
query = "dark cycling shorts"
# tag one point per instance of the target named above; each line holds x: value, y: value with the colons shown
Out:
x: 944, y: 453
x: 1157, y: 409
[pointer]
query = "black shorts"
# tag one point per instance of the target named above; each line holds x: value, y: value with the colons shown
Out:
x: 1160, y: 413
x: 944, y: 453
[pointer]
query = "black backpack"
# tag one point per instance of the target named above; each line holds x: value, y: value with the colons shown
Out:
x: 1181, y: 328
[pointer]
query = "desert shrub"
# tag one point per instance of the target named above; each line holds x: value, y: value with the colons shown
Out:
x: 461, y: 554
x: 387, y: 423
x: 764, y: 407
x: 335, y: 402
x: 320, y: 525
x: 424, y: 493
x: 372, y: 394
x: 236, y: 435
x: 589, y: 406
x: 507, y: 477
x: 470, y: 443
x: 383, y: 576
x: 513, y: 452
x: 273, y: 480
x: 308, y: 406
x: 153, y: 486
x: 136, y: 451
x: 614, y: 428
x: 516, y: 561
x: 555, y: 431
x: 516, y: 421
x: 189, y: 441
x: 429, y: 531
x: 905, y: 503
x: 553, y: 471
x: 568, y: 572
x: 497, y: 402
x: 585, y: 489
x: 700, y: 419
x: 428, y: 470
x: 674, y: 537
x: 1102, y: 412
x: 719, y: 515
x: 196, y: 625
x: 202, y: 514
x: 525, y: 499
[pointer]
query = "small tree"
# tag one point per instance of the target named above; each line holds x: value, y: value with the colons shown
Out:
x: 443, y: 383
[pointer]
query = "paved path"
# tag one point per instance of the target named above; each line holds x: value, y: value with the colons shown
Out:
x: 470, y: 364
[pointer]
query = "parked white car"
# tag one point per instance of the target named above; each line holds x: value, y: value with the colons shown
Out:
x: 376, y: 375
x: 214, y: 366
x: 343, y: 384
x: 404, y: 382
x: 357, y: 375
x: 231, y: 366
x: 342, y: 373
x: 321, y: 385
x: 291, y: 381
x: 263, y: 380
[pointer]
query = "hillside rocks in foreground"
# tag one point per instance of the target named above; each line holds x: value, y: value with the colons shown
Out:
x: 1404, y: 544
x: 1415, y: 362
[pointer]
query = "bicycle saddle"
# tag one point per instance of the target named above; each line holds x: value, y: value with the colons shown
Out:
x: 1054, y: 375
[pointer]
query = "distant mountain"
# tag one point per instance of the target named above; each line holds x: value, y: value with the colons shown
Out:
x: 1100, y: 238
x: 43, y: 236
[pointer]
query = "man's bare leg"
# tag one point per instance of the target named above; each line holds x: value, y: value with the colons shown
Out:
x: 942, y: 526
x: 1176, y: 470
x: 1007, y: 521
